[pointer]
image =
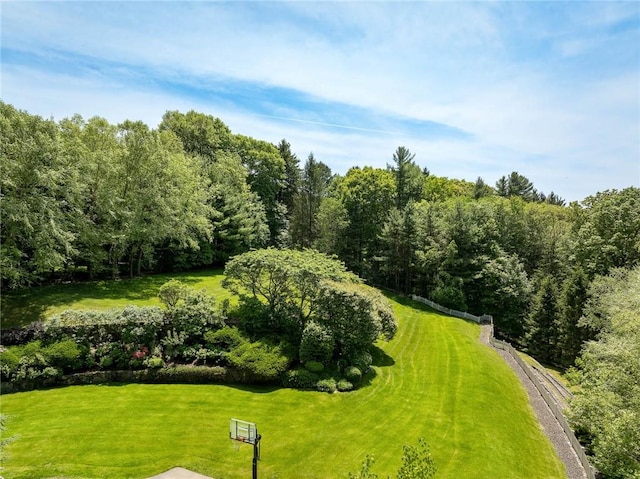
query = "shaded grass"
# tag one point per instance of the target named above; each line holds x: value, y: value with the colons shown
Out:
x: 21, y: 307
x: 433, y: 380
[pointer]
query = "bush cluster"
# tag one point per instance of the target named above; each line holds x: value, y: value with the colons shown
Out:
x: 189, y: 341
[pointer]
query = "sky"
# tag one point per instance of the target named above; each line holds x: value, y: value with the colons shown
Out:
x: 475, y: 89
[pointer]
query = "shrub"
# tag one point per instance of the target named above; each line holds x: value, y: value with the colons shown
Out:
x: 326, y: 385
x: 195, y: 315
x: 300, y: 378
x: 262, y: 361
x: 154, y: 362
x: 13, y: 336
x: 66, y: 355
x: 173, y: 344
x: 9, y: 362
x: 353, y: 374
x: 171, y: 292
x: 138, y: 325
x: 191, y: 374
x: 314, y: 366
x: 344, y: 385
x: 362, y: 361
x: 317, y: 344
x: 224, y: 339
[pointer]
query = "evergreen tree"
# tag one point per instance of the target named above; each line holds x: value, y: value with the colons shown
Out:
x: 313, y: 185
x: 409, y: 178
x: 572, y: 302
x: 541, y: 335
x: 292, y: 176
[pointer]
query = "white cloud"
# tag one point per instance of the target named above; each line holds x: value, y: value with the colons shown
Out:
x: 495, y: 70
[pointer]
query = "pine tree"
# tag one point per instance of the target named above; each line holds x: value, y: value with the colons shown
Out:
x: 572, y: 302
x: 541, y: 335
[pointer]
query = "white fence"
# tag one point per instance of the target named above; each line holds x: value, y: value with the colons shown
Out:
x: 484, y: 319
x: 498, y: 344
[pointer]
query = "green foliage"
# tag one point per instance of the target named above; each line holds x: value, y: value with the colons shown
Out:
x: 607, y: 405
x: 40, y: 193
x: 314, y: 366
x: 541, y: 328
x: 417, y: 462
x: 140, y: 325
x: 35, y: 360
x: 195, y: 315
x: 224, y: 339
x: 287, y: 281
x: 304, y: 220
x: 187, y: 374
x: 506, y: 290
x: 356, y: 315
x: 606, y: 231
x: 516, y: 185
x: 409, y: 178
x: 571, y: 333
x: 344, y: 386
x: 262, y: 361
x: 317, y: 343
x: 367, y: 195
x: 300, y: 378
x: 353, y: 374
x: 327, y: 385
x: 362, y: 361
x: 171, y: 292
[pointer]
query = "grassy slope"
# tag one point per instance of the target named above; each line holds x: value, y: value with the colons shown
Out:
x: 433, y: 380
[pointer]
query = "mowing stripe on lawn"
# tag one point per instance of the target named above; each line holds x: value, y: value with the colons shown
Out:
x: 433, y: 380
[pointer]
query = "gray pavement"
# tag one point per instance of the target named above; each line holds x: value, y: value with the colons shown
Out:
x: 179, y: 473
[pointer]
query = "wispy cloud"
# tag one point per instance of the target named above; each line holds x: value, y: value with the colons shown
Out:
x: 475, y: 89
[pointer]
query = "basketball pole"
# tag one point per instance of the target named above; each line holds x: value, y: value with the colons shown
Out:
x: 256, y: 456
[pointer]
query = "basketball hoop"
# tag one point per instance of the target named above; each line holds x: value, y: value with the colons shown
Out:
x: 246, y: 432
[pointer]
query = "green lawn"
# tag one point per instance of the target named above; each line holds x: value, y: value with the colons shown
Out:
x: 435, y: 380
x: 24, y: 306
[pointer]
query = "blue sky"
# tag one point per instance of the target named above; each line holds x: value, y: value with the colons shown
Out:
x: 548, y: 89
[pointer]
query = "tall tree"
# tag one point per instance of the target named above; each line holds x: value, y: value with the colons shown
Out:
x: 572, y: 334
x: 332, y: 221
x: 606, y: 408
x: 408, y: 176
x: 163, y: 191
x: 506, y: 291
x: 313, y: 185
x: 94, y: 147
x: 541, y: 327
x: 367, y: 195
x: 292, y: 177
x: 516, y: 185
x: 606, y: 231
x: 38, y: 186
x: 266, y: 173
x: 399, y: 237
x: 200, y: 134
x: 239, y: 220
x: 481, y: 189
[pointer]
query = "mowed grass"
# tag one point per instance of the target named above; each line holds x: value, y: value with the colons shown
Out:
x: 433, y: 380
x: 21, y: 307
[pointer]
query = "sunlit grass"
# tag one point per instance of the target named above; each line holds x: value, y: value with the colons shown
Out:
x: 433, y: 380
x: 24, y: 306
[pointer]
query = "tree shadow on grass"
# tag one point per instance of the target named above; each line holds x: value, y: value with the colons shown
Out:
x: 24, y: 306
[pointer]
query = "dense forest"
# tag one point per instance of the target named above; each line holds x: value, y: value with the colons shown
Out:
x: 84, y: 199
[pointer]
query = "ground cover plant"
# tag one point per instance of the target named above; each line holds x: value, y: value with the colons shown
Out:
x: 433, y: 380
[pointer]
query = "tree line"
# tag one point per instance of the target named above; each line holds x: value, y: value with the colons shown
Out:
x: 85, y: 198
